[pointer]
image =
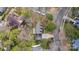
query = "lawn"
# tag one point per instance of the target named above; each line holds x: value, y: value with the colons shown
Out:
x: 71, y: 31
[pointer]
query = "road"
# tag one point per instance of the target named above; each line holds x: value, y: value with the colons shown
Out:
x: 58, y: 21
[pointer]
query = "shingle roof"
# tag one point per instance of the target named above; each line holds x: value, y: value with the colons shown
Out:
x: 2, y: 9
x: 75, y: 44
x: 12, y: 21
x: 76, y: 23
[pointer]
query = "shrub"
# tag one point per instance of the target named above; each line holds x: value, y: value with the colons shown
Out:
x: 49, y: 27
x: 49, y: 16
x: 24, y: 45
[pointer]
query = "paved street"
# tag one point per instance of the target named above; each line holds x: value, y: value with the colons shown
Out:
x: 58, y: 22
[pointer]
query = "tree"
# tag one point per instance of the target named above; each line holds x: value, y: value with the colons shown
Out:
x: 9, y: 38
x: 24, y: 45
x: 49, y: 27
x: 13, y: 34
x: 16, y: 48
x: 11, y: 42
x: 49, y: 16
x: 1, y: 36
x: 8, y: 44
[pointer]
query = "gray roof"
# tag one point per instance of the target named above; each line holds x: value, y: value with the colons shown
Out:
x: 75, y: 43
x: 2, y: 9
x: 12, y: 20
x: 38, y: 29
x: 76, y: 22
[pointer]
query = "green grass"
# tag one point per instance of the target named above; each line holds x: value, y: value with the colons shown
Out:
x: 71, y: 31
x: 45, y: 43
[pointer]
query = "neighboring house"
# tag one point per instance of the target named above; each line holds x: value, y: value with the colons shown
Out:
x: 2, y: 9
x: 16, y: 20
x: 76, y: 22
x: 75, y: 44
x: 40, y: 10
x: 37, y: 31
x: 12, y: 19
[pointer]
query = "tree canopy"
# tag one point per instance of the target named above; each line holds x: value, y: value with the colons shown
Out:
x: 49, y: 16
x: 50, y: 26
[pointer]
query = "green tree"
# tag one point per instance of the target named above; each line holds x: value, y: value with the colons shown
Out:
x: 24, y: 45
x: 13, y: 34
x: 9, y: 38
x: 8, y: 44
x: 16, y: 48
x: 49, y: 16
x: 49, y: 27
x: 1, y: 36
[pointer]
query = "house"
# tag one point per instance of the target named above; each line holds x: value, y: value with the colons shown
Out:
x: 75, y: 44
x: 16, y: 20
x: 76, y: 22
x: 37, y: 31
x: 2, y: 9
x: 12, y: 19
